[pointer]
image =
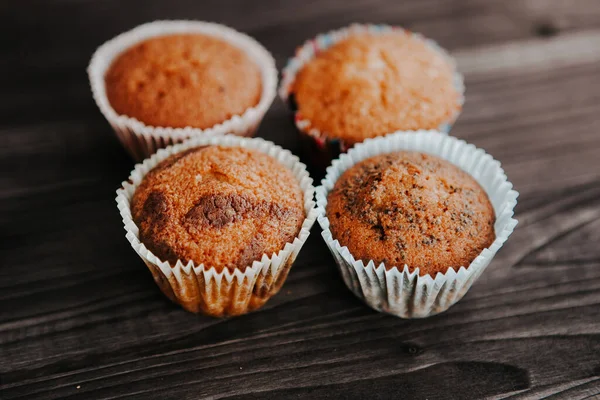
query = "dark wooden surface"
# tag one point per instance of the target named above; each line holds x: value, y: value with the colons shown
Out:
x: 80, y: 316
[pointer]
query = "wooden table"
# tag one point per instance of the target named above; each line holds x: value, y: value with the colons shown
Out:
x: 80, y: 316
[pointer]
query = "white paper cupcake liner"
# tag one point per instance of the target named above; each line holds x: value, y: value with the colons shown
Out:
x: 142, y: 140
x: 398, y: 291
x: 201, y: 288
x: 312, y: 47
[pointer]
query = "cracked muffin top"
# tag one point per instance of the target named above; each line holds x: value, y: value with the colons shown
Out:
x: 372, y: 84
x: 223, y: 207
x: 183, y: 80
x: 411, y: 208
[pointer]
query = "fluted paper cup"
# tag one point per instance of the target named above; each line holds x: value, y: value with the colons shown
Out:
x: 395, y: 289
x: 318, y: 145
x: 142, y: 140
x: 201, y: 288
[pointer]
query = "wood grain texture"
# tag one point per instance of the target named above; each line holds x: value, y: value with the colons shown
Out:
x: 80, y: 316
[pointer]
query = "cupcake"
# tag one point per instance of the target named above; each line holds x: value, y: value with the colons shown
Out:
x: 167, y: 81
x: 219, y: 221
x: 366, y: 81
x: 413, y: 219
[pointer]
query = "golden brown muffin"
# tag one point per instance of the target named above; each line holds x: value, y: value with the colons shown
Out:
x: 411, y: 208
x: 372, y: 84
x: 183, y: 80
x: 218, y: 206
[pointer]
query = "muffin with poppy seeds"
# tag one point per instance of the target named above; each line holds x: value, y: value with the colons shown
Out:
x: 414, y: 209
x: 414, y: 219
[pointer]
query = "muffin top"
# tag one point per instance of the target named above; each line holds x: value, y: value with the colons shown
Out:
x: 183, y: 80
x: 372, y: 84
x: 218, y: 206
x: 411, y: 208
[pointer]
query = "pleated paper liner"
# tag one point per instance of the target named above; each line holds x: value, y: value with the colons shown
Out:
x: 201, y: 288
x: 396, y: 290
x: 142, y: 140
x: 318, y: 148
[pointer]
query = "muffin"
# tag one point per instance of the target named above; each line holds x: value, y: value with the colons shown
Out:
x: 223, y: 207
x: 413, y: 219
x: 183, y: 80
x: 218, y: 221
x: 368, y: 81
x: 167, y: 81
x: 409, y: 208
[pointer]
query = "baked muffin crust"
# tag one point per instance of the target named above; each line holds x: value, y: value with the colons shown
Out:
x: 218, y: 206
x: 372, y: 84
x: 411, y: 208
x: 183, y: 80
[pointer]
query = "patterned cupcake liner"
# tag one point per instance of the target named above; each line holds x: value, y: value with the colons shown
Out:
x: 396, y: 290
x: 201, y: 288
x: 142, y: 140
x: 319, y: 148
